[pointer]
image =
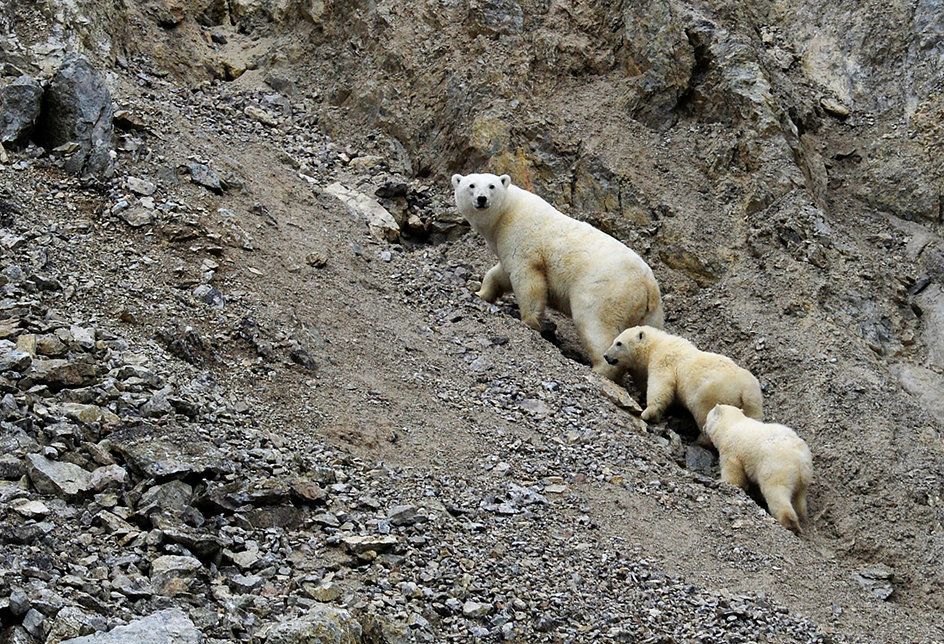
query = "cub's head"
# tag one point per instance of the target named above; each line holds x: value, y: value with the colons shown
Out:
x: 480, y: 193
x: 719, y: 417
x: 631, y: 347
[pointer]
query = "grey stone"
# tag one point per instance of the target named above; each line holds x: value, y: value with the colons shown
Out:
x: 71, y: 622
x: 876, y: 579
x: 13, y: 360
x: 162, y: 452
x: 699, y: 460
x: 19, y: 602
x: 58, y: 372
x: 322, y: 623
x: 20, y: 105
x: 108, y: 476
x: 359, y: 544
x: 140, y: 186
x: 137, y: 217
x: 173, y: 575
x: 77, y: 109
x: 54, y: 477
x: 201, y: 174
x: 170, y: 626
x: 400, y: 515
x: 33, y: 623
x: 173, y: 497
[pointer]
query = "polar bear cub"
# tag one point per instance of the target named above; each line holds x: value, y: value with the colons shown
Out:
x: 547, y: 258
x: 767, y: 454
x: 673, y: 368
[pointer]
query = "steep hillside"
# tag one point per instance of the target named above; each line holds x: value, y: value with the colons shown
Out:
x: 289, y: 422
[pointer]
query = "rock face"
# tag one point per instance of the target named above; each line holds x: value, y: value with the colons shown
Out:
x: 20, y: 103
x: 77, y: 109
x: 223, y: 393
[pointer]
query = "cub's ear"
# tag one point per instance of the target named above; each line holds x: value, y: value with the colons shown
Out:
x: 456, y: 180
x: 505, y: 179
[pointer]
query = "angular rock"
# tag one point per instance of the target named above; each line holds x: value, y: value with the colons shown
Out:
x: 77, y: 109
x: 170, y: 626
x: 137, y: 217
x: 381, y: 223
x: 173, y: 575
x: 616, y: 393
x: 30, y: 509
x: 401, y: 515
x: 699, y: 460
x: 89, y: 414
x: 71, y: 622
x: 201, y: 174
x: 14, y: 360
x: 58, y: 373
x: 359, y: 544
x: 108, y: 476
x: 876, y: 579
x: 170, y: 451
x: 64, y: 480
x: 322, y: 623
x: 20, y: 104
x: 141, y: 187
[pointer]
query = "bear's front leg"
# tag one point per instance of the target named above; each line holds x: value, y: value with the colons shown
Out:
x: 531, y: 292
x: 660, y: 390
x: 495, y: 284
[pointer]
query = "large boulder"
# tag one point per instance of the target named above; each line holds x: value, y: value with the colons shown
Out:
x: 77, y: 109
x: 20, y: 104
x: 169, y: 626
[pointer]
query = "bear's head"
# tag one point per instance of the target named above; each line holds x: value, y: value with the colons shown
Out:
x: 720, y: 416
x: 480, y: 194
x: 631, y: 347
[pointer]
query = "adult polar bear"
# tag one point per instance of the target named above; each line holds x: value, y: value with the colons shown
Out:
x: 546, y: 257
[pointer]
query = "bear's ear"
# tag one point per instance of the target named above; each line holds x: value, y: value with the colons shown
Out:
x: 505, y: 179
x: 456, y: 180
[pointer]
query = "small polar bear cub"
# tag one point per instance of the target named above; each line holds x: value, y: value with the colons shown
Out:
x: 674, y: 369
x: 767, y: 454
x: 547, y: 258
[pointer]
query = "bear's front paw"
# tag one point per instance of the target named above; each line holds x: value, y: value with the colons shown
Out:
x: 650, y: 414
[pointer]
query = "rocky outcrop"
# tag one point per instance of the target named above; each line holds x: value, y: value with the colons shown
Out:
x: 76, y: 119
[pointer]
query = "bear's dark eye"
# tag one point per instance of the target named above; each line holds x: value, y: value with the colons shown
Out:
x: 472, y: 186
x: 619, y: 344
x: 491, y: 186
x: 640, y: 335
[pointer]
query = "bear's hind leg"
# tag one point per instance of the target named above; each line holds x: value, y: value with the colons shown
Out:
x: 495, y: 283
x: 779, y: 503
x: 597, y: 338
x: 799, y: 504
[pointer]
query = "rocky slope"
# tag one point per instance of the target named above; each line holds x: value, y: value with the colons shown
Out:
x: 248, y: 393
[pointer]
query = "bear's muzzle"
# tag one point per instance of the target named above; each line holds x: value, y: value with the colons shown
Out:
x: 610, y: 360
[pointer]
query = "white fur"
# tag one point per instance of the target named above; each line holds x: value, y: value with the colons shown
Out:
x: 547, y: 258
x: 768, y: 454
x: 675, y: 369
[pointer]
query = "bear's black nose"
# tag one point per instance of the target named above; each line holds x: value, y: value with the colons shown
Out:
x: 610, y: 360
x: 481, y: 201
